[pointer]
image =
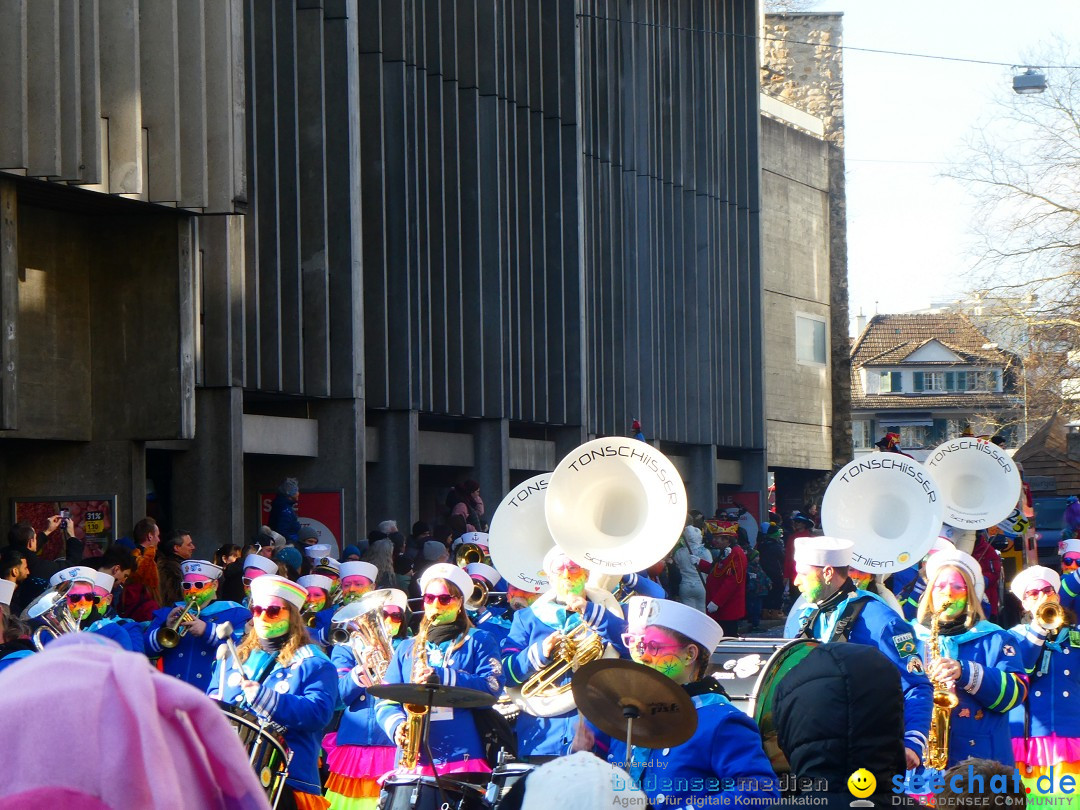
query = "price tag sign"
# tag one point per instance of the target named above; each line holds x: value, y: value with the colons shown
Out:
x: 94, y: 522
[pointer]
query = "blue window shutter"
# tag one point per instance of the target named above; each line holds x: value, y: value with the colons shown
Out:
x: 896, y: 385
x: 950, y: 380
x: 917, y: 380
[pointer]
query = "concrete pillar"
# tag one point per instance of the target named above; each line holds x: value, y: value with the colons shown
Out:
x: 393, y: 481
x: 567, y: 438
x: 341, y: 462
x: 491, y: 466
x: 208, y: 479
x: 701, y: 488
x: 755, y: 477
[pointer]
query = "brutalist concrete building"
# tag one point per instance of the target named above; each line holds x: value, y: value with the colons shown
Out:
x: 380, y: 246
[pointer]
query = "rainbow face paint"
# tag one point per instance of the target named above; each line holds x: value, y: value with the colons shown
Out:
x: 352, y: 588
x: 84, y: 605
x: 267, y: 627
x: 949, y: 589
x: 570, y: 580
x: 204, y: 590
x: 809, y: 582
x: 316, y: 600
x: 437, y: 612
x: 860, y: 578
x: 658, y: 649
x: 518, y: 598
x: 104, y: 600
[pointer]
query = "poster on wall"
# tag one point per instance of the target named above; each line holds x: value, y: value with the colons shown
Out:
x: 751, y: 518
x: 323, y: 511
x: 92, y: 521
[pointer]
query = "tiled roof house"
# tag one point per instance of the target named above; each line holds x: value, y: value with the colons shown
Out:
x: 928, y: 378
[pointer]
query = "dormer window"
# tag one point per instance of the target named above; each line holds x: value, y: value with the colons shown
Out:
x: 889, y: 382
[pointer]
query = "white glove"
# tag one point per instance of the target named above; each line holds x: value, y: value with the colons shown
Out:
x: 712, y: 607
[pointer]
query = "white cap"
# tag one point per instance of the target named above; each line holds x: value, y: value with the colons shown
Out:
x: 596, y: 783
x: 80, y: 572
x: 104, y: 581
x: 329, y: 562
x: 476, y: 538
x: 207, y: 569
x: 355, y: 568
x: 264, y: 588
x: 822, y: 551
x: 260, y: 562
x: 645, y: 611
x: 398, y: 598
x: 318, y: 550
x: 7, y: 590
x: 553, y: 555
x: 448, y: 572
x: 957, y: 559
x: 483, y: 571
x: 941, y: 544
x: 1022, y: 581
x: 316, y: 581
x: 1068, y: 546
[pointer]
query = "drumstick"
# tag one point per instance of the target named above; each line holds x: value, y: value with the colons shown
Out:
x: 224, y: 631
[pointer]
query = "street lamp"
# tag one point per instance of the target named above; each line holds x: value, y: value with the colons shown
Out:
x: 1029, y: 82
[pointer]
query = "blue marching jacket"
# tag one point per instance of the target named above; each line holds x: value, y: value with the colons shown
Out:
x: 493, y: 622
x: 320, y: 633
x: 192, y: 660
x: 1069, y: 592
x: 523, y: 655
x: 878, y: 625
x: 1053, y: 669
x: 723, y: 760
x: 300, y: 697
x: 472, y: 663
x: 125, y: 632
x: 989, y: 686
x: 359, y: 725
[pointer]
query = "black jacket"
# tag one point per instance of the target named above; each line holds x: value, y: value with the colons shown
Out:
x: 839, y: 710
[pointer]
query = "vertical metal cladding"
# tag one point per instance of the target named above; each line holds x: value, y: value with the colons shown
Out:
x: 671, y: 201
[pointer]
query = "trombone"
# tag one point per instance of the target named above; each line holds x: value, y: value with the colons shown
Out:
x: 169, y: 635
x: 468, y: 553
x: 481, y: 594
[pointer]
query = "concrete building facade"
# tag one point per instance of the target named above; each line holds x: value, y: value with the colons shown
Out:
x: 380, y: 246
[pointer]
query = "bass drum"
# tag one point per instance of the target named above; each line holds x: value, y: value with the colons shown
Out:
x: 265, y: 744
x: 401, y: 792
x: 749, y: 669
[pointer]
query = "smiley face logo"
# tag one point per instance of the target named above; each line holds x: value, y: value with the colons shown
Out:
x: 861, y: 783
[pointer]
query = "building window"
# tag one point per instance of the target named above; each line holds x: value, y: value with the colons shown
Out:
x: 954, y: 427
x: 912, y: 436
x: 860, y: 434
x: 889, y: 382
x: 928, y: 380
x: 810, y: 340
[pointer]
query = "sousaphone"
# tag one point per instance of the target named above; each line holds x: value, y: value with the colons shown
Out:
x: 518, y: 537
x: 889, y: 506
x: 979, y: 482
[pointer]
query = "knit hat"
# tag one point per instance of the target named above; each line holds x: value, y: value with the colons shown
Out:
x: 349, y: 551
x: 205, y: 569
x: 957, y: 559
x: 355, y: 568
x: 1022, y: 581
x: 268, y: 537
x: 448, y: 572
x: 822, y: 551
x: 307, y: 532
x: 433, y: 550
x: 291, y: 556
x: 645, y: 611
x: 289, y: 487
x: 260, y: 562
x: 265, y: 588
x: 316, y: 581
x: 79, y: 572
x: 7, y: 590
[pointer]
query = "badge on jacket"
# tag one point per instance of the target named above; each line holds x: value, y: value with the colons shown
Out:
x: 905, y: 644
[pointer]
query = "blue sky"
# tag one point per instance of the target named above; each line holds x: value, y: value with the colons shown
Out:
x: 910, y: 229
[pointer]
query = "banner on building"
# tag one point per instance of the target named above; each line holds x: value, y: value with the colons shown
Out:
x: 323, y: 511
x: 93, y: 521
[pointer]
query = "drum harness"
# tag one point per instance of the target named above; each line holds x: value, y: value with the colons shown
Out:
x: 844, y: 624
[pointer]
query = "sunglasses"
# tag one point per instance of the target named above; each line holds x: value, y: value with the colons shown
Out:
x: 1071, y: 559
x: 394, y: 614
x: 636, y: 642
x: 443, y: 599
x: 190, y: 586
x: 1049, y: 589
x: 271, y: 612
x: 75, y: 598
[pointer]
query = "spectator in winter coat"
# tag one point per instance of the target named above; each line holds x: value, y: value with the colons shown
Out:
x: 689, y: 552
x: 771, y: 548
x: 725, y: 585
x: 1070, y: 520
x: 283, y: 518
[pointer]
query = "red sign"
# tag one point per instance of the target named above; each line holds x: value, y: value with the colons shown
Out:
x: 747, y: 500
x: 322, y: 511
x: 92, y: 521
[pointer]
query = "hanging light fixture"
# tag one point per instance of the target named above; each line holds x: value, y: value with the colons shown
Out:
x: 1029, y: 82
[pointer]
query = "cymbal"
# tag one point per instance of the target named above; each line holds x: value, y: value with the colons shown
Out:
x: 609, y: 690
x: 433, y: 694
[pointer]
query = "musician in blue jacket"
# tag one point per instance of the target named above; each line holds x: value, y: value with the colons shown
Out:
x: 320, y: 606
x: 104, y: 621
x: 1045, y: 729
x: 192, y: 659
x: 836, y: 610
x: 977, y: 660
x: 454, y: 653
x: 285, y: 680
x: 724, y: 759
x: 533, y: 642
x: 490, y: 618
x: 359, y: 752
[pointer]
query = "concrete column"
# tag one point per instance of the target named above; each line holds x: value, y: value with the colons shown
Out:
x: 393, y: 490
x: 341, y: 462
x: 208, y: 479
x: 491, y: 467
x: 567, y: 438
x: 755, y: 476
x: 701, y: 488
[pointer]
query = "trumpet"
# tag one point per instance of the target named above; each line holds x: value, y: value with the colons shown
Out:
x: 51, y: 610
x: 170, y: 634
x: 481, y: 594
x: 1050, y: 616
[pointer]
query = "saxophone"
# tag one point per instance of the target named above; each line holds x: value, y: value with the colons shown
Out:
x: 415, y: 715
x: 945, y: 700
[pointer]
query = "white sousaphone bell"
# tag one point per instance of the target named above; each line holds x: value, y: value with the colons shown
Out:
x: 518, y: 537
x: 889, y: 506
x: 979, y: 482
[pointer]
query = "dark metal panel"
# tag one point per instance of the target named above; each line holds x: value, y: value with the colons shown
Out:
x: 14, y: 135
x: 43, y: 88
x: 159, y: 65
x: 191, y: 40
x: 70, y: 85
x: 9, y: 304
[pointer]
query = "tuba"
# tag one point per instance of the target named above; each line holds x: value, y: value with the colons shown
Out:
x: 51, y: 613
x: 980, y: 484
x: 170, y: 634
x: 945, y: 700
x: 518, y: 537
x: 360, y: 625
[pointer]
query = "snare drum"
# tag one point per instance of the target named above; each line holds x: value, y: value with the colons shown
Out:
x: 265, y: 744
x: 401, y: 792
x: 749, y: 669
x: 503, y: 778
